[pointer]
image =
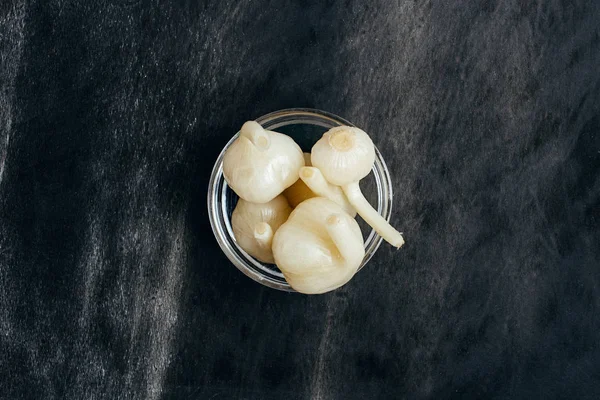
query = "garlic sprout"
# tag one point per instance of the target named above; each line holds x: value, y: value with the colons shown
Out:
x: 345, y: 155
x: 255, y: 223
x: 319, y: 248
x: 260, y: 164
x: 299, y: 192
x: 314, y: 179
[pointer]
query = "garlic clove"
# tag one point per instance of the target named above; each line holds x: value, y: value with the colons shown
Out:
x: 316, y: 182
x: 299, y: 192
x: 254, y: 225
x: 319, y: 248
x: 345, y: 155
x: 260, y: 164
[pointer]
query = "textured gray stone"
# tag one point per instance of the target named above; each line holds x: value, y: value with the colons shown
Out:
x: 113, y: 113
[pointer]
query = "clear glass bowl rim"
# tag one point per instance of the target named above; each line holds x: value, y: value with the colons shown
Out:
x: 217, y: 191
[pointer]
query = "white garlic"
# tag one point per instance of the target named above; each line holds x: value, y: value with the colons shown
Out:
x: 255, y: 223
x: 314, y: 179
x: 260, y: 164
x: 299, y: 192
x: 319, y: 248
x: 345, y: 155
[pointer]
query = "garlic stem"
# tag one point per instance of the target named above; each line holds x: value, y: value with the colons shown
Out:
x: 255, y: 133
x: 372, y: 217
x: 340, y: 232
x: 263, y: 233
x: 299, y: 191
x: 314, y: 179
x: 254, y: 225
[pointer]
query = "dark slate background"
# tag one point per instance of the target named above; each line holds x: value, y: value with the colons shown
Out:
x: 112, y: 114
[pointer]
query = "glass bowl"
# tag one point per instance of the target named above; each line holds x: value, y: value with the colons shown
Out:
x: 305, y: 126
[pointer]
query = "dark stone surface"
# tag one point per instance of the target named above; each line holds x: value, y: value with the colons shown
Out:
x: 112, y: 114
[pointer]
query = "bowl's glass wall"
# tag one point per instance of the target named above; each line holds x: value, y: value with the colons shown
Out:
x: 305, y: 126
